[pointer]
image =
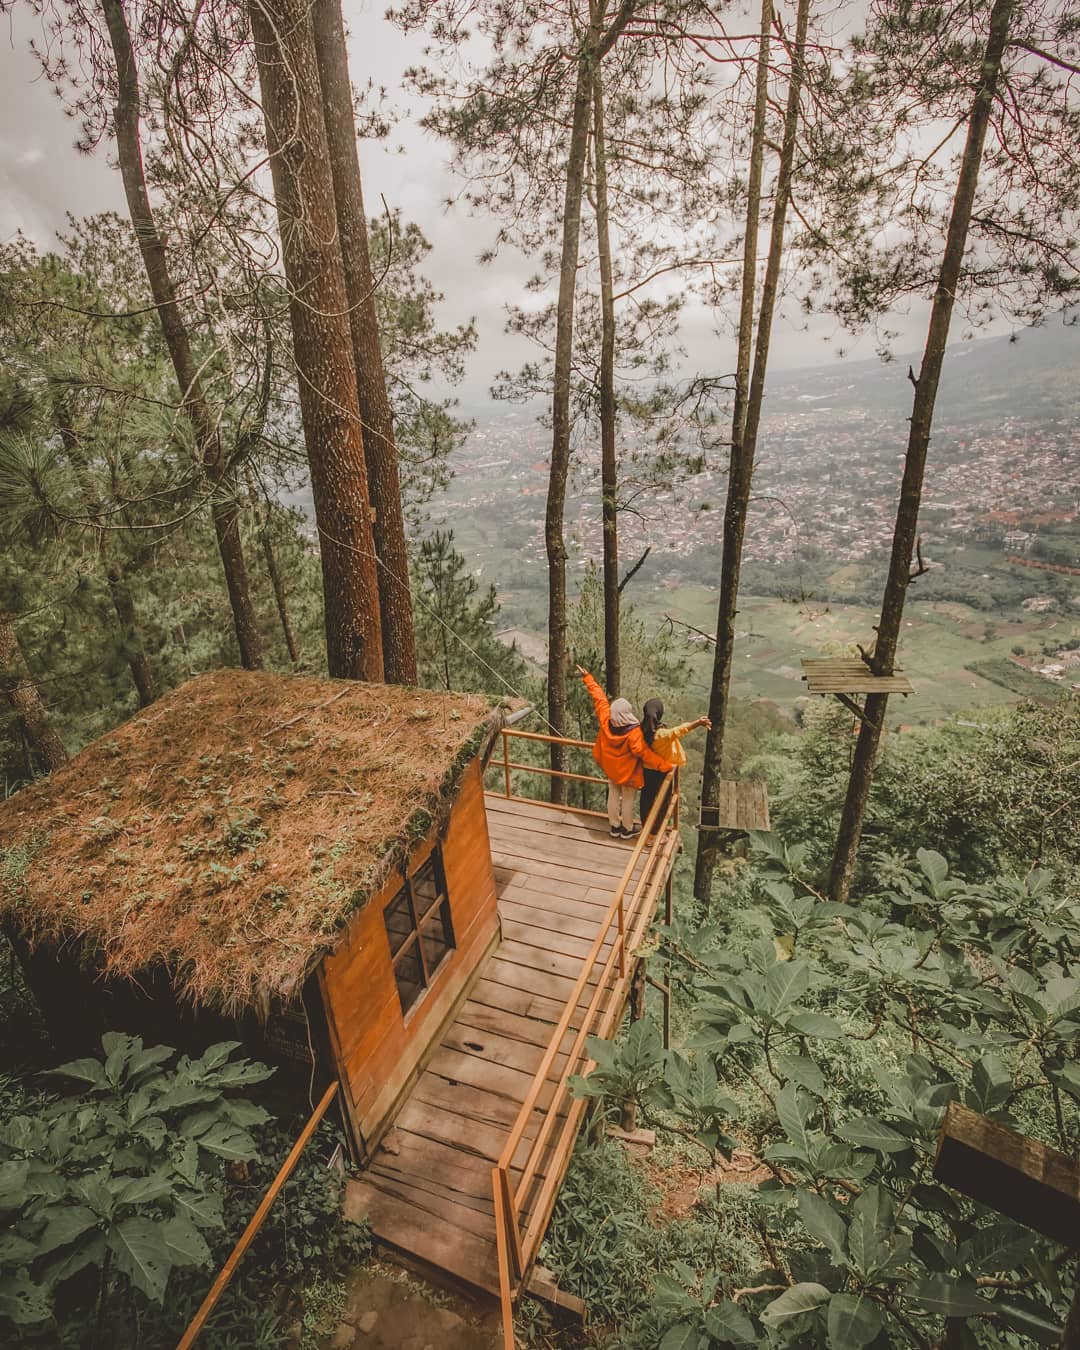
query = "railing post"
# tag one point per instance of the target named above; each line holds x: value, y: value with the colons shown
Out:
x: 622, y: 938
x: 506, y: 759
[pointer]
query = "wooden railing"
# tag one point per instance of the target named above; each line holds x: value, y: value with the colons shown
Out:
x: 525, y: 1190
x: 510, y: 766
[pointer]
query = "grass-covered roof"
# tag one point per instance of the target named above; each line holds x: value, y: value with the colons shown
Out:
x: 232, y: 828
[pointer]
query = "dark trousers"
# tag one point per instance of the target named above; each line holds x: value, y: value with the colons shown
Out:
x: 654, y: 780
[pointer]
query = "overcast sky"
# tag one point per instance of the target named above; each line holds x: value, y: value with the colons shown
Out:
x: 42, y: 177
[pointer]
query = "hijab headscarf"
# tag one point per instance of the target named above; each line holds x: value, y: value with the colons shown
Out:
x: 653, y: 715
x: 622, y: 714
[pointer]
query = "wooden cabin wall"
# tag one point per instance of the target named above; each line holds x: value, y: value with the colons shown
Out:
x: 380, y: 1049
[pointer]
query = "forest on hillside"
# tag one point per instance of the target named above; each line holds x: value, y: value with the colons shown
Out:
x: 250, y: 334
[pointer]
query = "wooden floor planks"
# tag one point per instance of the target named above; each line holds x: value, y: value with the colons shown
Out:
x: 427, y: 1190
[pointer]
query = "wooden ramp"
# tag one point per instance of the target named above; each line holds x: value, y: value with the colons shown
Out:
x: 428, y: 1189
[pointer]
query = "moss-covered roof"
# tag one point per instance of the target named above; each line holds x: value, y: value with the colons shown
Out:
x: 232, y: 828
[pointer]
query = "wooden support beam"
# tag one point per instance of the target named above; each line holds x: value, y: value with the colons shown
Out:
x: 542, y: 1285
x: 854, y: 707
x: 1016, y: 1176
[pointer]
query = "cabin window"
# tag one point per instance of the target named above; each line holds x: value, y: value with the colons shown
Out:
x: 419, y: 929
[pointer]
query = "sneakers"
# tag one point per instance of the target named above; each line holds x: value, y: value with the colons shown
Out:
x: 631, y: 833
x: 616, y: 832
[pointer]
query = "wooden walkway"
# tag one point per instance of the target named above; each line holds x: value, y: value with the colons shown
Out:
x: 428, y: 1189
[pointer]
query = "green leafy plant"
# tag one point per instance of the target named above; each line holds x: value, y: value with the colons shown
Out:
x: 963, y: 992
x: 124, y: 1180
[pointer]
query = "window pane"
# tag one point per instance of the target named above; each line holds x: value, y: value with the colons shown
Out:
x: 409, y: 977
x: 426, y: 883
x: 437, y: 935
x: 399, y: 922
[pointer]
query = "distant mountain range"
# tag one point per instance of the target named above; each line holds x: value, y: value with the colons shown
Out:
x: 1033, y: 374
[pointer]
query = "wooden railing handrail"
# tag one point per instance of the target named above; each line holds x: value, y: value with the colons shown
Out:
x: 544, y: 736
x: 563, y: 1024
x: 514, y: 1250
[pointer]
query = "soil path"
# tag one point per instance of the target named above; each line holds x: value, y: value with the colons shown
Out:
x: 382, y: 1313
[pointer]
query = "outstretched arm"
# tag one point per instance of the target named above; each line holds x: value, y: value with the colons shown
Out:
x: 679, y: 732
x: 599, y: 698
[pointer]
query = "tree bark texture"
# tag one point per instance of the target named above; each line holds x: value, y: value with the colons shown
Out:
x: 922, y: 416
x: 740, y: 473
x: 380, y: 449
x: 25, y: 701
x: 609, y: 485
x: 322, y: 340
x: 223, y: 509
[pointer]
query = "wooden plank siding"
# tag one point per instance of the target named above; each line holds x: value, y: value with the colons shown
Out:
x: 428, y: 1189
x: 380, y: 1049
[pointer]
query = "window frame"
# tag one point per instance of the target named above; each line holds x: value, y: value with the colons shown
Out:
x: 437, y: 912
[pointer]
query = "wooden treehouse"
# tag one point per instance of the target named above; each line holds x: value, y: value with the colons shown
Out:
x: 314, y: 868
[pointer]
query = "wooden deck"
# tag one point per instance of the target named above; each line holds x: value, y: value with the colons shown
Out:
x: 850, y: 675
x: 428, y: 1189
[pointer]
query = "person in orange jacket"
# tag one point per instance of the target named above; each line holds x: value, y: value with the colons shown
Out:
x: 621, y: 752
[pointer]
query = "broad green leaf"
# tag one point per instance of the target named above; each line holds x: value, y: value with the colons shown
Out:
x: 22, y: 1301
x: 118, y: 1049
x: 202, y: 1208
x: 186, y: 1160
x: 794, y: 1302
x: 933, y: 866
x: 1031, y: 1322
x: 16, y: 1250
x: 801, y: 1069
x: 227, y: 1141
x: 728, y: 1324
x: 84, y: 1071
x: 823, y: 1222
x: 13, y: 1189
x: 949, y: 1298
x: 214, y: 1057
x: 1001, y: 1247
x: 793, y: 1115
x: 67, y: 1223
x: 138, y: 1245
x: 141, y: 1190
x: 668, y: 1293
x: 815, y: 1024
x: 683, y: 1336
x: 854, y: 1321
x: 87, y: 1253
x: 785, y: 984
x: 186, y: 1245
x: 869, y: 1132
x: 246, y: 1113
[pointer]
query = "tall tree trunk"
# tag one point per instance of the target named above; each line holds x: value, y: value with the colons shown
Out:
x: 740, y: 472
x: 594, y: 48
x: 25, y: 701
x: 223, y: 509
x: 609, y: 485
x: 922, y: 416
x: 262, y: 521
x: 380, y: 449
x: 322, y: 341
x: 560, y: 415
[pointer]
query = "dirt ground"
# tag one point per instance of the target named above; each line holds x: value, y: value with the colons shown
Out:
x: 382, y: 1312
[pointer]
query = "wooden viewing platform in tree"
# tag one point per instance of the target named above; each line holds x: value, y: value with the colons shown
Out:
x: 843, y: 677
x: 740, y: 808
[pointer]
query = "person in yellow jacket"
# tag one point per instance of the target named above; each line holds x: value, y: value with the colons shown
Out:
x: 664, y: 741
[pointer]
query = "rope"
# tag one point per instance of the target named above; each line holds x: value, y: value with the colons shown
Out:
x: 364, y: 553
